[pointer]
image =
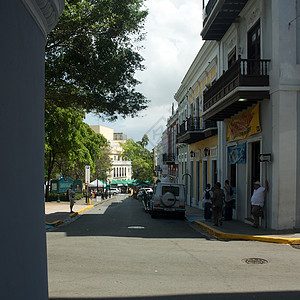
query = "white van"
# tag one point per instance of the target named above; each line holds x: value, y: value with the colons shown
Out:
x: 168, y: 198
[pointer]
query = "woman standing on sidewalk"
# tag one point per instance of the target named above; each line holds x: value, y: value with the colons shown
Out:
x: 206, y: 202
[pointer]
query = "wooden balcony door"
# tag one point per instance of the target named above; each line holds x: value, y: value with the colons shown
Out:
x: 254, y: 43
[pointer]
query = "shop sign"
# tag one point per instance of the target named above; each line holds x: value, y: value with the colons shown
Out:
x: 237, y: 154
x: 244, y: 125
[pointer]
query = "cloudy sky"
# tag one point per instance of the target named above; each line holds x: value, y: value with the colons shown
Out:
x: 172, y: 42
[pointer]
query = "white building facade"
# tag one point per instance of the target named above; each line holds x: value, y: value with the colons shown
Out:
x: 121, y: 169
x: 255, y: 98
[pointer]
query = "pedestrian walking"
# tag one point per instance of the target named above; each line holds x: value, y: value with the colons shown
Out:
x: 228, y: 201
x: 217, y: 204
x: 71, y: 197
x: 207, y: 203
x: 258, y: 201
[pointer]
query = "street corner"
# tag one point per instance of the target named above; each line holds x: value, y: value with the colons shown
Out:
x: 73, y: 214
x: 55, y: 223
x: 209, y: 229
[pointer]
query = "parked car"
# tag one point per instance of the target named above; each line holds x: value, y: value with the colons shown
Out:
x: 168, y: 198
x: 114, y: 191
x: 148, y: 190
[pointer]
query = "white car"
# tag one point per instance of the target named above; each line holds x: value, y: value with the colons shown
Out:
x: 114, y: 191
x: 148, y: 190
x: 168, y: 198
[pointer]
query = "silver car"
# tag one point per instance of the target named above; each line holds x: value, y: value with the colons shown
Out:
x: 168, y: 198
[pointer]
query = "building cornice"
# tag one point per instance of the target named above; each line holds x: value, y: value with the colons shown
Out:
x: 45, y: 13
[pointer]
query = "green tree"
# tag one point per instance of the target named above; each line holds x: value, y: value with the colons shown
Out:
x: 92, y: 57
x: 70, y: 144
x: 141, y: 158
x: 103, y: 164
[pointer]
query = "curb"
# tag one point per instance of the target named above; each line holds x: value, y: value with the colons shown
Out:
x: 74, y: 214
x: 231, y: 236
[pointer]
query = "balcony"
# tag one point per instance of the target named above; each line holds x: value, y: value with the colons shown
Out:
x: 168, y: 159
x: 218, y: 15
x: 191, y: 130
x: 245, y: 83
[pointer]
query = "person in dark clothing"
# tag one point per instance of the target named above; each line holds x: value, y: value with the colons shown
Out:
x: 217, y: 204
x: 206, y: 202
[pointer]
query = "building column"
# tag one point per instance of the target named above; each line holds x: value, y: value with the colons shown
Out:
x: 285, y: 172
x: 23, y: 28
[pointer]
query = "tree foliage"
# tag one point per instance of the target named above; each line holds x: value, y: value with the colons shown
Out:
x: 141, y: 158
x: 91, y: 57
x: 70, y: 144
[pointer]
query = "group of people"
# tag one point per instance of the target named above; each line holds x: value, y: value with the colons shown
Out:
x: 219, y: 203
x: 216, y: 200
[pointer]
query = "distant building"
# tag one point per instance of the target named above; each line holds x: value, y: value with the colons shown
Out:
x: 121, y: 169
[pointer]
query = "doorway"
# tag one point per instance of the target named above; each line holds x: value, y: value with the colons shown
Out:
x: 214, y: 172
x: 204, y: 174
x: 254, y: 44
x: 254, y: 169
x: 197, y: 182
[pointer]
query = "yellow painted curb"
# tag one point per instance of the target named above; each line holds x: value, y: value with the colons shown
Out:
x: 84, y: 209
x: 231, y: 236
x: 55, y: 223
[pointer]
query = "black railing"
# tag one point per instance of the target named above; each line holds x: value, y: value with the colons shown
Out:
x: 168, y: 157
x: 243, y: 72
x: 195, y: 124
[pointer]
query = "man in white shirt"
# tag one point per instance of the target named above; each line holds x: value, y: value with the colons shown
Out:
x: 257, y: 201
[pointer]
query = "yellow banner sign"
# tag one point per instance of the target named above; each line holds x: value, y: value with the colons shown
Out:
x: 244, y: 125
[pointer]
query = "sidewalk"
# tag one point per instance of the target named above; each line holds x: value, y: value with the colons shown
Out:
x: 237, y: 230
x: 58, y: 213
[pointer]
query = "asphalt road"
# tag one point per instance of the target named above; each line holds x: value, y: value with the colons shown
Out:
x: 117, y: 251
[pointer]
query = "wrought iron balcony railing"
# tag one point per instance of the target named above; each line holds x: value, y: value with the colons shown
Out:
x: 168, y: 158
x: 243, y: 73
x: 195, y: 124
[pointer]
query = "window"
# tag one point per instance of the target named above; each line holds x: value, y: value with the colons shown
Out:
x: 171, y: 189
x: 254, y: 42
x: 231, y: 57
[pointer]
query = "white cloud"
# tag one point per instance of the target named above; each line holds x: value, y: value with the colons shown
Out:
x: 172, y: 42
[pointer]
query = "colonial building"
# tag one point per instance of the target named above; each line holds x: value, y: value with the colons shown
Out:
x: 170, y: 157
x: 197, y: 140
x: 255, y: 97
x: 121, y: 169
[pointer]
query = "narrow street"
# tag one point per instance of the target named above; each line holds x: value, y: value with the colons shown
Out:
x: 116, y: 250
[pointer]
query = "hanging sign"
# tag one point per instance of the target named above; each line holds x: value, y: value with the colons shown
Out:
x: 237, y: 154
x: 244, y: 125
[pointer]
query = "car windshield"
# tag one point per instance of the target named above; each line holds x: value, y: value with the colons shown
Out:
x: 171, y: 189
